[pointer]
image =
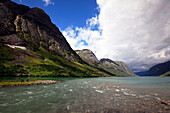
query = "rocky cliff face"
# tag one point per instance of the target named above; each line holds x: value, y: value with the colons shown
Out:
x: 89, y: 57
x: 32, y: 28
x: 159, y: 69
x: 116, y: 66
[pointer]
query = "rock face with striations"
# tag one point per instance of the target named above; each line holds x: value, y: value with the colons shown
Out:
x: 32, y: 28
x: 116, y: 65
x: 89, y: 57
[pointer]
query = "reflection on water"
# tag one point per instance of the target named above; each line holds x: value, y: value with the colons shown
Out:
x: 99, y: 95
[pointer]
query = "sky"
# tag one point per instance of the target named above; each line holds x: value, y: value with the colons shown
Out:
x: 134, y: 31
x: 65, y: 13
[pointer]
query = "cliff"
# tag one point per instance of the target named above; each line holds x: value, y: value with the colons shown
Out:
x: 32, y: 28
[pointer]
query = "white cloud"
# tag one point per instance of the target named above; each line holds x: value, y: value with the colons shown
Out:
x: 134, y: 31
x: 70, y: 34
x: 78, y: 37
x: 48, y: 2
x: 92, y: 21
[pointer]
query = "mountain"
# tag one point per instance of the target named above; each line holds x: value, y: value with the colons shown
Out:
x: 89, y: 57
x: 118, y: 67
x: 115, y: 67
x: 31, y: 45
x: 160, y: 69
x: 32, y: 28
x: 166, y: 74
x: 142, y: 73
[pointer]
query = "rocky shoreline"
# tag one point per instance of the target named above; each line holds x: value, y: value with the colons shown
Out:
x: 37, y: 82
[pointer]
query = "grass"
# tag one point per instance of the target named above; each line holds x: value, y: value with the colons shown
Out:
x: 119, y: 73
x: 6, y: 54
x: 13, y: 81
x: 50, y: 66
x: 37, y: 78
x: 5, y: 83
x: 166, y: 74
x: 18, y: 83
x: 9, y: 81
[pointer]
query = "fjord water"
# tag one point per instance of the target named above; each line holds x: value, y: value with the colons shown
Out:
x: 109, y: 95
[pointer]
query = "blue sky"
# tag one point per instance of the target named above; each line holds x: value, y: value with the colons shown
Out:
x: 133, y: 31
x: 65, y: 13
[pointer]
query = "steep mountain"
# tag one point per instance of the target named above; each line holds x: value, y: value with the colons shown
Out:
x: 116, y: 66
x: 32, y: 28
x: 160, y: 69
x: 89, y: 57
x: 31, y: 45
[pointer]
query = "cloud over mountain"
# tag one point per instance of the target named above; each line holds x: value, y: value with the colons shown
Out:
x: 136, y: 32
x: 47, y: 2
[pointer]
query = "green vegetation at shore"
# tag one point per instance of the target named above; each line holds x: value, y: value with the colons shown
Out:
x: 20, y: 81
x: 166, y: 74
x: 6, y: 81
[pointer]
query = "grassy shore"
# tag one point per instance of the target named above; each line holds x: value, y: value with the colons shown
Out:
x: 24, y: 81
x: 10, y: 82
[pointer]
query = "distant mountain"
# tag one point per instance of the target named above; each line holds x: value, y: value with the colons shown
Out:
x: 159, y: 69
x: 116, y: 66
x: 142, y: 73
x: 89, y: 57
x: 31, y: 45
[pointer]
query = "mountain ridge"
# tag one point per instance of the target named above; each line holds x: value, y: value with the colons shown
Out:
x: 119, y: 68
x: 160, y: 69
x: 89, y: 57
x: 116, y: 66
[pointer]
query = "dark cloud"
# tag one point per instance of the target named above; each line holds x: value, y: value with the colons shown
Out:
x: 167, y: 53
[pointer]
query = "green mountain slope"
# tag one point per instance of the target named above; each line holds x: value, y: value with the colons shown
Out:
x: 117, y: 67
x: 31, y: 45
x: 159, y: 69
x: 89, y: 57
x: 17, y: 62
